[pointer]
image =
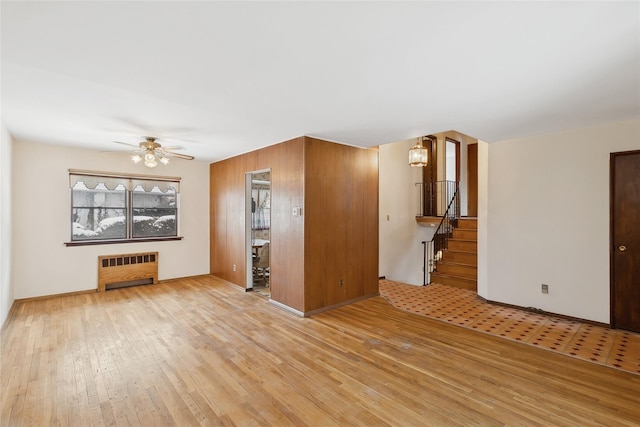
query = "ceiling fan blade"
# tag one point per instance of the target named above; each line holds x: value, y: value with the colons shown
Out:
x: 127, y: 144
x: 174, y: 147
x: 178, y: 155
x: 178, y: 139
x: 123, y: 152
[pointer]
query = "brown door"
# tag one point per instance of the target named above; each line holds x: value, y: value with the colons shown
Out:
x: 472, y: 180
x: 625, y: 240
x: 429, y: 178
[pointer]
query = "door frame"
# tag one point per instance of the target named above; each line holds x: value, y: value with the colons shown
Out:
x: 429, y: 175
x: 456, y: 144
x: 248, y: 177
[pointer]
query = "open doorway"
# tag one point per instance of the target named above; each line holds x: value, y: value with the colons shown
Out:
x: 258, y: 232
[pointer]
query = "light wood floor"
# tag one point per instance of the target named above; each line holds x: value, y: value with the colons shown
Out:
x: 201, y: 352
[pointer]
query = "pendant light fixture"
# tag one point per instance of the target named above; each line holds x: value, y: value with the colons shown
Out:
x: 418, y: 155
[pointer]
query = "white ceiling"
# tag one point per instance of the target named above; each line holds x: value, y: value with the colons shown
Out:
x: 222, y: 78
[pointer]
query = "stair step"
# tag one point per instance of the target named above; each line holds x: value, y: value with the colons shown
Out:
x: 463, y: 245
x: 458, y: 282
x: 458, y: 266
x: 465, y: 234
x: 460, y: 257
x: 457, y: 269
x: 468, y: 223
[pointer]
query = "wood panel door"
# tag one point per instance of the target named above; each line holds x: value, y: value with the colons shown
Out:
x: 625, y: 240
x: 429, y: 178
x: 472, y: 180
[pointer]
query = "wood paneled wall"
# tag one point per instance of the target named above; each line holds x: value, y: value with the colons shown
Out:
x: 341, y: 223
x: 226, y: 200
x: 286, y: 253
x: 335, y: 238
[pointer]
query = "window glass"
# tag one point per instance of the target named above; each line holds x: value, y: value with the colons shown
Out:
x: 98, y: 213
x: 450, y: 165
x: 112, y: 208
x: 154, y: 212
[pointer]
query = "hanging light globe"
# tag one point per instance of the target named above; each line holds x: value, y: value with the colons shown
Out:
x: 418, y: 155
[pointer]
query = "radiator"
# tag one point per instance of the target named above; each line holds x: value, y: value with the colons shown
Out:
x: 117, y: 269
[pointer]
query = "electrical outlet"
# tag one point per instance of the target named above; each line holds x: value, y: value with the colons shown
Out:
x: 545, y: 289
x: 340, y: 283
x: 234, y: 267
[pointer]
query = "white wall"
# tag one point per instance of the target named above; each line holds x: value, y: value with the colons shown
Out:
x: 43, y: 265
x: 6, y: 285
x: 401, y: 253
x: 548, y: 219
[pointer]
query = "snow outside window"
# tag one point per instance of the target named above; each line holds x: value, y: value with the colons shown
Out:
x: 112, y: 211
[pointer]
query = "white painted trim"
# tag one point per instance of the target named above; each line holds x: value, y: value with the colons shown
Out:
x: 287, y: 308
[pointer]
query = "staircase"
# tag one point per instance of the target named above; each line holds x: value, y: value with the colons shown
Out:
x: 459, y: 264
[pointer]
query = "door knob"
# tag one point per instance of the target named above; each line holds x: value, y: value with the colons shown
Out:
x: 622, y: 248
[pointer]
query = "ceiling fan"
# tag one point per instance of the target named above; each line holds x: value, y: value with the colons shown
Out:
x: 151, y: 152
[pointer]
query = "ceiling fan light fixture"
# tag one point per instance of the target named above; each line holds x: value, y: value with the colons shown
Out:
x: 150, y: 163
x: 151, y: 153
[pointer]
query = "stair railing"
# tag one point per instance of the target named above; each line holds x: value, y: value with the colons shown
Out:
x: 432, y: 249
x: 435, y: 197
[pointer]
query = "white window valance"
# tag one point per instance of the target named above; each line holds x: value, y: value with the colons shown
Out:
x: 111, y: 180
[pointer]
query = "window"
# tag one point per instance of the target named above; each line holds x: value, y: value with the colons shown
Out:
x: 108, y: 208
x: 98, y: 213
x: 154, y: 212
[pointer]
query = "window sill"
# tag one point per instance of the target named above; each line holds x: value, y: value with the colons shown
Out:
x: 109, y: 242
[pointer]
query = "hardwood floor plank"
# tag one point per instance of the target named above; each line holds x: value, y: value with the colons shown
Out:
x: 201, y: 352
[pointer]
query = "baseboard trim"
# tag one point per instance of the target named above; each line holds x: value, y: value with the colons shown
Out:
x: 63, y: 294
x: 287, y: 308
x: 340, y: 304
x: 545, y: 313
x: 90, y: 291
x: 10, y: 314
x: 323, y: 309
x: 197, y: 276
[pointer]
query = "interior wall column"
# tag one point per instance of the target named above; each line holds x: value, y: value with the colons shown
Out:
x: 483, y: 212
